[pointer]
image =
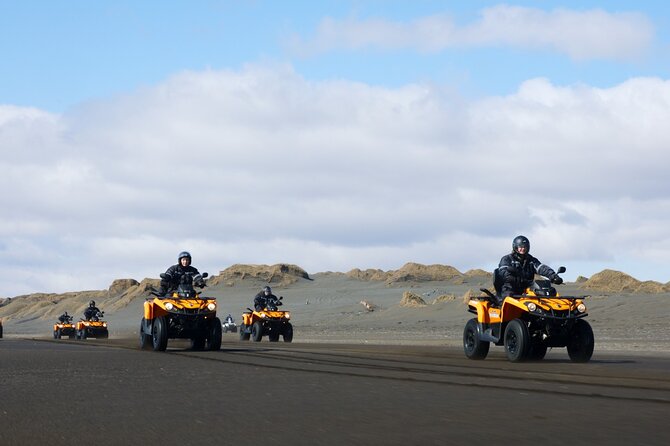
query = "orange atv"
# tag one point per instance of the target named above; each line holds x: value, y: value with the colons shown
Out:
x: 269, y: 321
x: 94, y: 327
x: 528, y: 324
x: 64, y: 328
x: 182, y: 315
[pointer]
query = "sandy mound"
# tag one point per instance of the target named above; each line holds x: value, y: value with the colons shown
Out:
x: 49, y: 306
x: 478, y: 273
x: 369, y: 274
x: 581, y: 279
x: 611, y: 281
x: 415, y: 272
x: 279, y: 274
x: 133, y: 291
x: 410, y: 299
x: 444, y: 298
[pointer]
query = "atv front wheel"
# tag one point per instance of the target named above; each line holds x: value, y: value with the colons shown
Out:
x: 214, y: 335
x: 474, y: 347
x: 537, y: 352
x: 257, y: 331
x: 288, y: 332
x: 159, y: 334
x: 517, y: 340
x: 145, y: 339
x: 244, y: 335
x: 198, y: 343
x: 580, y: 346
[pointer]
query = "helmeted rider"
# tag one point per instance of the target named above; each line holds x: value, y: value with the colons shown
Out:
x: 261, y: 299
x: 175, y: 273
x: 92, y: 311
x: 517, y: 270
x: 64, y: 318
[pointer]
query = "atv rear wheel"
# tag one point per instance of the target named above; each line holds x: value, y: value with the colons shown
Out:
x: 474, y: 347
x: 244, y: 335
x: 287, y: 333
x: 159, y: 334
x: 257, y: 331
x: 580, y: 346
x: 517, y: 340
x: 214, y: 335
x: 145, y: 339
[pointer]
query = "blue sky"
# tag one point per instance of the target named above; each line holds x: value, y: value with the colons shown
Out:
x: 333, y: 135
x: 58, y: 54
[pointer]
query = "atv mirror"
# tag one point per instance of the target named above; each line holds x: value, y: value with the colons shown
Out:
x: 205, y: 275
x: 281, y: 297
x: 561, y: 270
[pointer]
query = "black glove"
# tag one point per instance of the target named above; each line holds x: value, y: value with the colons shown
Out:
x: 557, y: 279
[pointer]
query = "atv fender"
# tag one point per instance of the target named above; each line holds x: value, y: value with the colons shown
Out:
x: 146, y: 326
x: 512, y: 309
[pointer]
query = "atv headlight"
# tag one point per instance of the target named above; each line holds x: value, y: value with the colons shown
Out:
x: 531, y: 306
x: 211, y: 306
x: 581, y: 308
x: 287, y: 315
x: 263, y: 315
x: 104, y: 324
x: 169, y: 306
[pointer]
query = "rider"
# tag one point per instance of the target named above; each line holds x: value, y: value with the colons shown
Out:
x: 262, y: 298
x: 91, y: 311
x: 175, y: 273
x: 517, y: 270
x: 64, y: 318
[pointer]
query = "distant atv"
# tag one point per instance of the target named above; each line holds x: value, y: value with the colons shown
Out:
x: 528, y: 324
x: 229, y: 325
x: 182, y: 315
x: 92, y: 328
x: 269, y: 321
x: 64, y: 328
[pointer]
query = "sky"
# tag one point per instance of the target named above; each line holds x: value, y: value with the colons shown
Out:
x: 332, y: 135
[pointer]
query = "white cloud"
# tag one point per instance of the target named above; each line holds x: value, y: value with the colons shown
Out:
x: 262, y: 166
x: 583, y: 34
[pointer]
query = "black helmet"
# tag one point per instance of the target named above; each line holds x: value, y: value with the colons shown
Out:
x: 91, y: 303
x: 520, y: 241
x: 267, y: 290
x: 182, y: 255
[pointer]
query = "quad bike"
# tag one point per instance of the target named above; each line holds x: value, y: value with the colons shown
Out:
x: 269, y: 321
x: 528, y: 324
x: 229, y: 325
x: 64, y: 328
x: 94, y: 327
x: 184, y: 314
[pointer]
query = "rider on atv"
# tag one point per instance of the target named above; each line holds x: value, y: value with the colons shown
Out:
x: 517, y: 270
x: 66, y: 318
x: 263, y: 297
x: 92, y: 311
x: 175, y: 272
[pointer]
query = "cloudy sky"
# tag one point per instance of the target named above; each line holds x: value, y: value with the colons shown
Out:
x: 332, y: 135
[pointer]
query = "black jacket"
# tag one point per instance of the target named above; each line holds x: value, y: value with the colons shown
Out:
x: 517, y: 273
x: 91, y: 312
x: 261, y: 300
x: 174, y: 274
